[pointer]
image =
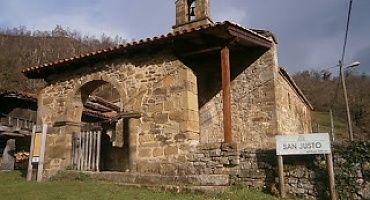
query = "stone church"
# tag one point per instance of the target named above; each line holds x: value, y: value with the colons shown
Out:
x: 195, y: 106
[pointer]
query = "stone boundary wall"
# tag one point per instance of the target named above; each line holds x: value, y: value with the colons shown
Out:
x: 305, y: 176
x: 214, y: 167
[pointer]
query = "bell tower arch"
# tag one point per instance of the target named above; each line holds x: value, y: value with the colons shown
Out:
x: 191, y: 14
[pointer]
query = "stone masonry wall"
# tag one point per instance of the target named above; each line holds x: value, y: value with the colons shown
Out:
x: 160, y: 87
x: 293, y: 114
x: 264, y: 104
x: 253, y: 107
x: 305, y: 176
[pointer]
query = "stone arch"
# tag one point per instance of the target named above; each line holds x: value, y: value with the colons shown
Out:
x: 115, y: 146
x: 89, y: 83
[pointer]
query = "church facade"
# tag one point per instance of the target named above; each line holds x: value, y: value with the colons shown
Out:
x: 195, y: 106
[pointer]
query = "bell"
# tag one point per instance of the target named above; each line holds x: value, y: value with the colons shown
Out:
x: 192, y: 12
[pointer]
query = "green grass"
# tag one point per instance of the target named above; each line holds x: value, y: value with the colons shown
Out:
x: 14, y: 186
x: 323, y: 119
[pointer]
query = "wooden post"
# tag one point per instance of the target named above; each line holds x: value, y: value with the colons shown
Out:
x: 330, y: 167
x: 332, y: 125
x: 86, y: 156
x: 83, y: 151
x: 73, y: 150
x: 93, y: 157
x: 318, y: 127
x: 281, y: 175
x: 226, y: 96
x: 79, y: 151
x: 98, y: 152
x: 29, y: 170
x: 40, y: 168
x: 90, y: 150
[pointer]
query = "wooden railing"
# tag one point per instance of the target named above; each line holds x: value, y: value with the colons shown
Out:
x: 17, y: 123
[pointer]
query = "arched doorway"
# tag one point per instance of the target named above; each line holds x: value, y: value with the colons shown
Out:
x: 101, y: 144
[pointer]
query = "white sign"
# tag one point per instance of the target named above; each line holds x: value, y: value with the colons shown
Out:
x: 314, y: 143
x: 35, y: 159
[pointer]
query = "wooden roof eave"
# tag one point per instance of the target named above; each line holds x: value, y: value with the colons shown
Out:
x: 249, y: 38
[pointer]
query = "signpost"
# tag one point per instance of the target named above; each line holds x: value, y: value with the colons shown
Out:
x: 305, y: 144
x: 37, y: 151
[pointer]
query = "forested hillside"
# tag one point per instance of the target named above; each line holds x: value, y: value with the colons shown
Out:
x: 324, y: 91
x: 20, y: 48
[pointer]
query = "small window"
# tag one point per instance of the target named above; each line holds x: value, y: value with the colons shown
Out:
x: 289, y: 101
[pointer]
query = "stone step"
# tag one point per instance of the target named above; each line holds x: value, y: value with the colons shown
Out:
x: 158, y: 180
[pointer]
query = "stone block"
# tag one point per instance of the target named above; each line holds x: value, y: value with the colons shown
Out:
x: 161, y: 118
x: 169, y: 169
x: 47, y: 100
x: 158, y: 152
x: 225, y: 161
x: 160, y: 91
x: 145, y: 152
x: 192, y: 87
x: 258, y: 174
x: 155, y: 107
x: 215, y: 152
x: 178, y: 116
x: 192, y: 136
x: 168, y: 106
x: 171, y: 129
x: 187, y: 75
x: 145, y: 127
x: 210, y: 146
x: 244, y: 173
x: 180, y: 137
x: 146, y: 138
x: 188, y: 101
x: 169, y: 81
x: 213, y: 180
x: 171, y: 150
x: 189, y: 126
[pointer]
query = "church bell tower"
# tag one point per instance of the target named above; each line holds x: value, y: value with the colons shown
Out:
x: 191, y: 14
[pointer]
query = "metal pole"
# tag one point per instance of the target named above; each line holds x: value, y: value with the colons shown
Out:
x: 349, y: 121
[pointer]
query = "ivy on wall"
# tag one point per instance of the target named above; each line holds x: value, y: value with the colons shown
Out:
x: 352, y: 167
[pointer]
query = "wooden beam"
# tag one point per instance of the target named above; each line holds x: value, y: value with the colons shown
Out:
x: 128, y: 115
x: 97, y: 107
x: 99, y: 100
x: 226, y: 96
x: 201, y: 51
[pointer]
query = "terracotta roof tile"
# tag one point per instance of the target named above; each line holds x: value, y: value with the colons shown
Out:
x: 18, y: 94
x: 135, y: 43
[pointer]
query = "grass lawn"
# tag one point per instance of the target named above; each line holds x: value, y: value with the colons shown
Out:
x: 323, y: 119
x: 14, y: 186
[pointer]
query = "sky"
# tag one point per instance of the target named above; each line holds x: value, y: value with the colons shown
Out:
x: 310, y: 33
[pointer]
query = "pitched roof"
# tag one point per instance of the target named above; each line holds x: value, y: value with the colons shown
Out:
x: 41, y: 71
x: 18, y: 95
